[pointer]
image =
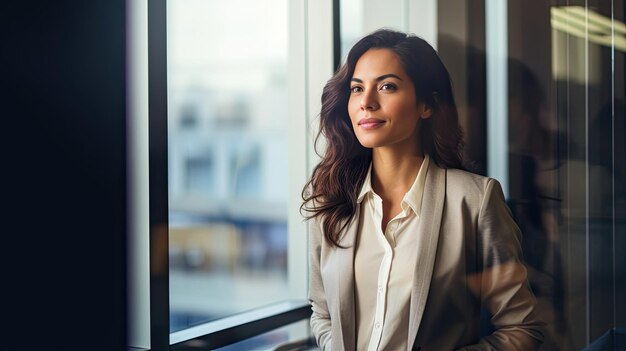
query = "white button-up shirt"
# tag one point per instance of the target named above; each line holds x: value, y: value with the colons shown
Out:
x: 384, y: 266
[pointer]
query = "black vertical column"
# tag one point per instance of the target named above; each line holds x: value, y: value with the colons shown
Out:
x: 336, y: 34
x: 159, y: 225
x: 619, y: 157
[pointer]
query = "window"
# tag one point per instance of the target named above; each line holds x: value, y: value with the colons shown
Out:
x: 227, y: 139
x: 228, y: 161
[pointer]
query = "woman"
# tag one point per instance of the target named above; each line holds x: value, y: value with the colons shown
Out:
x: 406, y: 246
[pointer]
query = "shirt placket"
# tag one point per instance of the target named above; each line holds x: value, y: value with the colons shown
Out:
x: 383, y: 278
x: 383, y: 275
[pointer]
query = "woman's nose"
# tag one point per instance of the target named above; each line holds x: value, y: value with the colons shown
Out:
x: 368, y: 101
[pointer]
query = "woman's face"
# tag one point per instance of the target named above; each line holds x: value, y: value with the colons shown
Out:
x: 382, y: 106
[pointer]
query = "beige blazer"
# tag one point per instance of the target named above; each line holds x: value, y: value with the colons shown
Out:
x: 469, y: 256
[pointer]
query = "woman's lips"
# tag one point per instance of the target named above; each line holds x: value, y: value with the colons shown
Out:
x: 371, y: 123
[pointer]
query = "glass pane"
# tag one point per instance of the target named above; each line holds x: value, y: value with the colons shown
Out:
x: 227, y: 140
x: 565, y: 124
x: 359, y: 17
x: 589, y: 119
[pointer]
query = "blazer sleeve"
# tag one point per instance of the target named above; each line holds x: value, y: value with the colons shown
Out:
x: 502, y: 284
x: 320, y: 318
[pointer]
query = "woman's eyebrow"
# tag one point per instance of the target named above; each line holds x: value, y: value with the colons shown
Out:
x: 384, y: 76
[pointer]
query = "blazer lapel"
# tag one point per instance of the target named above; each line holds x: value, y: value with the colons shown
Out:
x: 428, y: 236
x: 345, y: 282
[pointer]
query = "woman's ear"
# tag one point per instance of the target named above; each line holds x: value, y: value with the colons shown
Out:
x: 425, y: 111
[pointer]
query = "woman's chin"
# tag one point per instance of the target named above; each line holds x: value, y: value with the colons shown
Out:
x: 368, y: 144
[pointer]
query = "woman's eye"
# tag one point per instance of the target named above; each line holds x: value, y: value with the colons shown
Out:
x: 356, y: 89
x: 388, y: 86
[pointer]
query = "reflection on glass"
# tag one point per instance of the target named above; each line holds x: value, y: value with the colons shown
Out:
x: 566, y: 166
x: 227, y: 137
x: 589, y: 106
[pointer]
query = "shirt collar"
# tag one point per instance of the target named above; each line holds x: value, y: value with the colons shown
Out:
x: 367, y: 185
x: 413, y: 198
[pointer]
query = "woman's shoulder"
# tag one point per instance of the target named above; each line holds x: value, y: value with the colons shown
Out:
x: 461, y: 176
x: 468, y: 183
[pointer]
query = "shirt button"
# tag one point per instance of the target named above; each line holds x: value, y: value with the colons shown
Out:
x: 377, y: 326
x: 380, y: 289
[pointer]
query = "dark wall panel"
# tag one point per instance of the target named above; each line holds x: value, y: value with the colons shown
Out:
x: 64, y: 174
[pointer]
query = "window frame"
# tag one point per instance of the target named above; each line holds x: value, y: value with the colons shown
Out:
x: 311, y: 26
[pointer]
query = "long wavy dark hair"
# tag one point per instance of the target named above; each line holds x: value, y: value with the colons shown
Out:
x: 332, y: 190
